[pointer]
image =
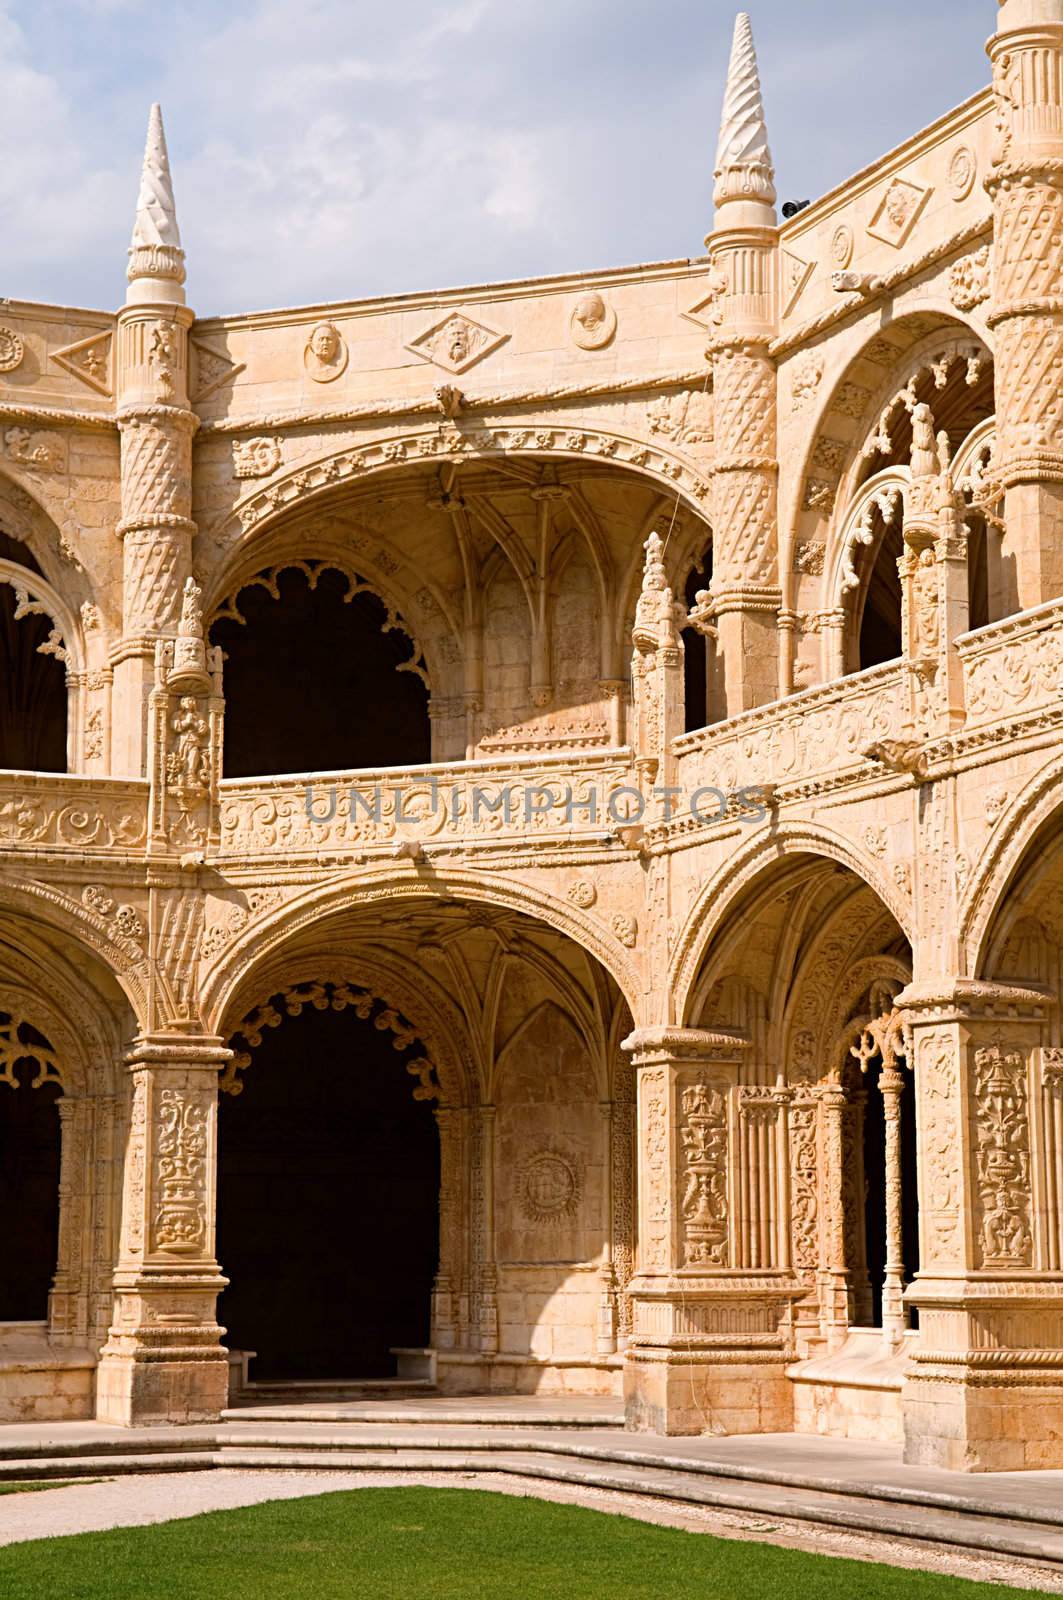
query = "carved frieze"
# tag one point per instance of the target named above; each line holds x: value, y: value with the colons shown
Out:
x: 1002, y: 1154
x: 703, y: 1202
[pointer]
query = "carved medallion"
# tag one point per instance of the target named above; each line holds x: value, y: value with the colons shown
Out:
x: 325, y: 355
x: 550, y: 1186
x: 11, y: 350
x: 898, y: 212
x: 582, y: 894
x: 592, y: 323
x: 963, y: 169
x: 842, y: 245
x: 457, y: 343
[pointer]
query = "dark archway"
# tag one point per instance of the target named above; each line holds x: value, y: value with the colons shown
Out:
x: 319, y: 677
x: 328, y: 1200
x: 880, y: 623
x: 30, y: 1151
x: 696, y: 649
x: 33, y: 697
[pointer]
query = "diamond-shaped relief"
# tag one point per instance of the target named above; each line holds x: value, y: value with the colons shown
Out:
x: 898, y: 211
x: 457, y: 343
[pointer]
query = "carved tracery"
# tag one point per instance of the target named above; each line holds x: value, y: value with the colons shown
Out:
x: 327, y: 996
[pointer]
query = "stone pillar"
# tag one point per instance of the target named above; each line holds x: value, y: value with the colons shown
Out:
x: 934, y: 585
x: 745, y: 592
x: 657, y: 671
x: 891, y: 1085
x: 985, y: 1386
x: 711, y: 1331
x: 1026, y: 183
x: 156, y: 427
x: 163, y: 1360
x: 832, y: 1279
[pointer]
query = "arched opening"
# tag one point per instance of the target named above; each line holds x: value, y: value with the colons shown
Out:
x: 880, y: 637
x: 30, y: 1148
x: 474, y: 1180
x: 697, y: 660
x: 33, y: 691
x: 807, y: 965
x: 320, y: 676
x: 328, y: 1188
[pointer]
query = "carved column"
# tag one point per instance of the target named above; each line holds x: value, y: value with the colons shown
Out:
x: 832, y: 1279
x: 156, y: 426
x: 488, y: 1298
x: 711, y: 1333
x: 745, y: 591
x: 894, y: 1320
x: 985, y: 1385
x: 1026, y: 183
x: 163, y: 1360
x: 656, y: 671
x: 934, y: 585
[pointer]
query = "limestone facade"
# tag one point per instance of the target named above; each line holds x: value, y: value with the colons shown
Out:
x: 718, y: 926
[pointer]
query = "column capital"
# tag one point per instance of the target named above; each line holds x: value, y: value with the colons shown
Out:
x: 177, y: 1050
x: 960, y: 999
x: 664, y: 1045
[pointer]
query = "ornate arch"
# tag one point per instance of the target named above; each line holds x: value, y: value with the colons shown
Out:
x: 35, y: 596
x: 1015, y: 833
x: 113, y: 933
x: 263, y: 939
x: 718, y: 897
x: 438, y: 443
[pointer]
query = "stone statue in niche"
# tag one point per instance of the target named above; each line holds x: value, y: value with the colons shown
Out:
x: 593, y: 323
x: 325, y: 356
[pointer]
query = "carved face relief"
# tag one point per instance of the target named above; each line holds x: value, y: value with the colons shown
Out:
x: 898, y: 212
x: 456, y: 343
x: 592, y: 323
x: 325, y: 356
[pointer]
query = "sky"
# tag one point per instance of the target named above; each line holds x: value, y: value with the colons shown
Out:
x: 332, y: 149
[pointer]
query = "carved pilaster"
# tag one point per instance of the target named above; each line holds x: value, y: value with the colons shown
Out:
x: 710, y: 1330
x: 656, y: 670
x: 985, y: 1385
x: 163, y: 1360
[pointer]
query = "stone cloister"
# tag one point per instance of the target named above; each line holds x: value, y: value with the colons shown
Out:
x: 531, y: 821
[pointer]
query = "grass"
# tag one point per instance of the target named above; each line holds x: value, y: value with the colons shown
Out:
x: 426, y: 1544
x: 43, y: 1483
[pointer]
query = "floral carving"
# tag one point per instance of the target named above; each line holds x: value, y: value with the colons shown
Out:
x: 181, y: 1140
x: 703, y: 1173
x: 12, y: 350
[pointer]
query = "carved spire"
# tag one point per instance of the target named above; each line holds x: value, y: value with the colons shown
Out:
x: 744, y: 169
x: 155, y: 251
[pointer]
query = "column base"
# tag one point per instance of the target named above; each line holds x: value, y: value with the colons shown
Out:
x: 684, y: 1392
x: 141, y: 1386
x: 710, y: 1360
x: 972, y: 1421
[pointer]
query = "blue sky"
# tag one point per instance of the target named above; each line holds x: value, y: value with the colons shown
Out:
x: 327, y: 149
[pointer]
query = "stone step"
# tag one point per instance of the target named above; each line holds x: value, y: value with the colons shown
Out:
x: 301, y: 1392
x: 378, y: 1414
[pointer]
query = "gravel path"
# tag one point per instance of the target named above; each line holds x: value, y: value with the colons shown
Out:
x: 144, y: 1498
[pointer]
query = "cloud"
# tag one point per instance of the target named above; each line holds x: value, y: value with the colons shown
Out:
x: 334, y: 148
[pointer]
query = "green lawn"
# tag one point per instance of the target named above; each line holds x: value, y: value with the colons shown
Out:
x: 422, y: 1544
x: 41, y: 1483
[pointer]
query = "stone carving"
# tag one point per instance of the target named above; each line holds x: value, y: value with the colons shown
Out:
x: 809, y: 558
x: 806, y: 375
x: 795, y: 275
x: 969, y: 280
x: 592, y: 324
x: 703, y: 1174
x: 456, y: 343
x: 963, y: 170
x: 256, y: 458
x: 89, y: 360
x: 179, y: 1223
x: 12, y: 350
x: 188, y: 767
x: 155, y: 250
x: 211, y: 370
x: 1003, y: 1156
x: 819, y: 496
x: 842, y: 245
x: 898, y: 211
x: 550, y: 1186
x: 686, y: 417
x: 582, y: 893
x: 43, y: 451
x: 325, y: 353
x: 625, y: 928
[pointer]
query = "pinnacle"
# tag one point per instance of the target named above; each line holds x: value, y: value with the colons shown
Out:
x: 155, y: 251
x: 744, y: 169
